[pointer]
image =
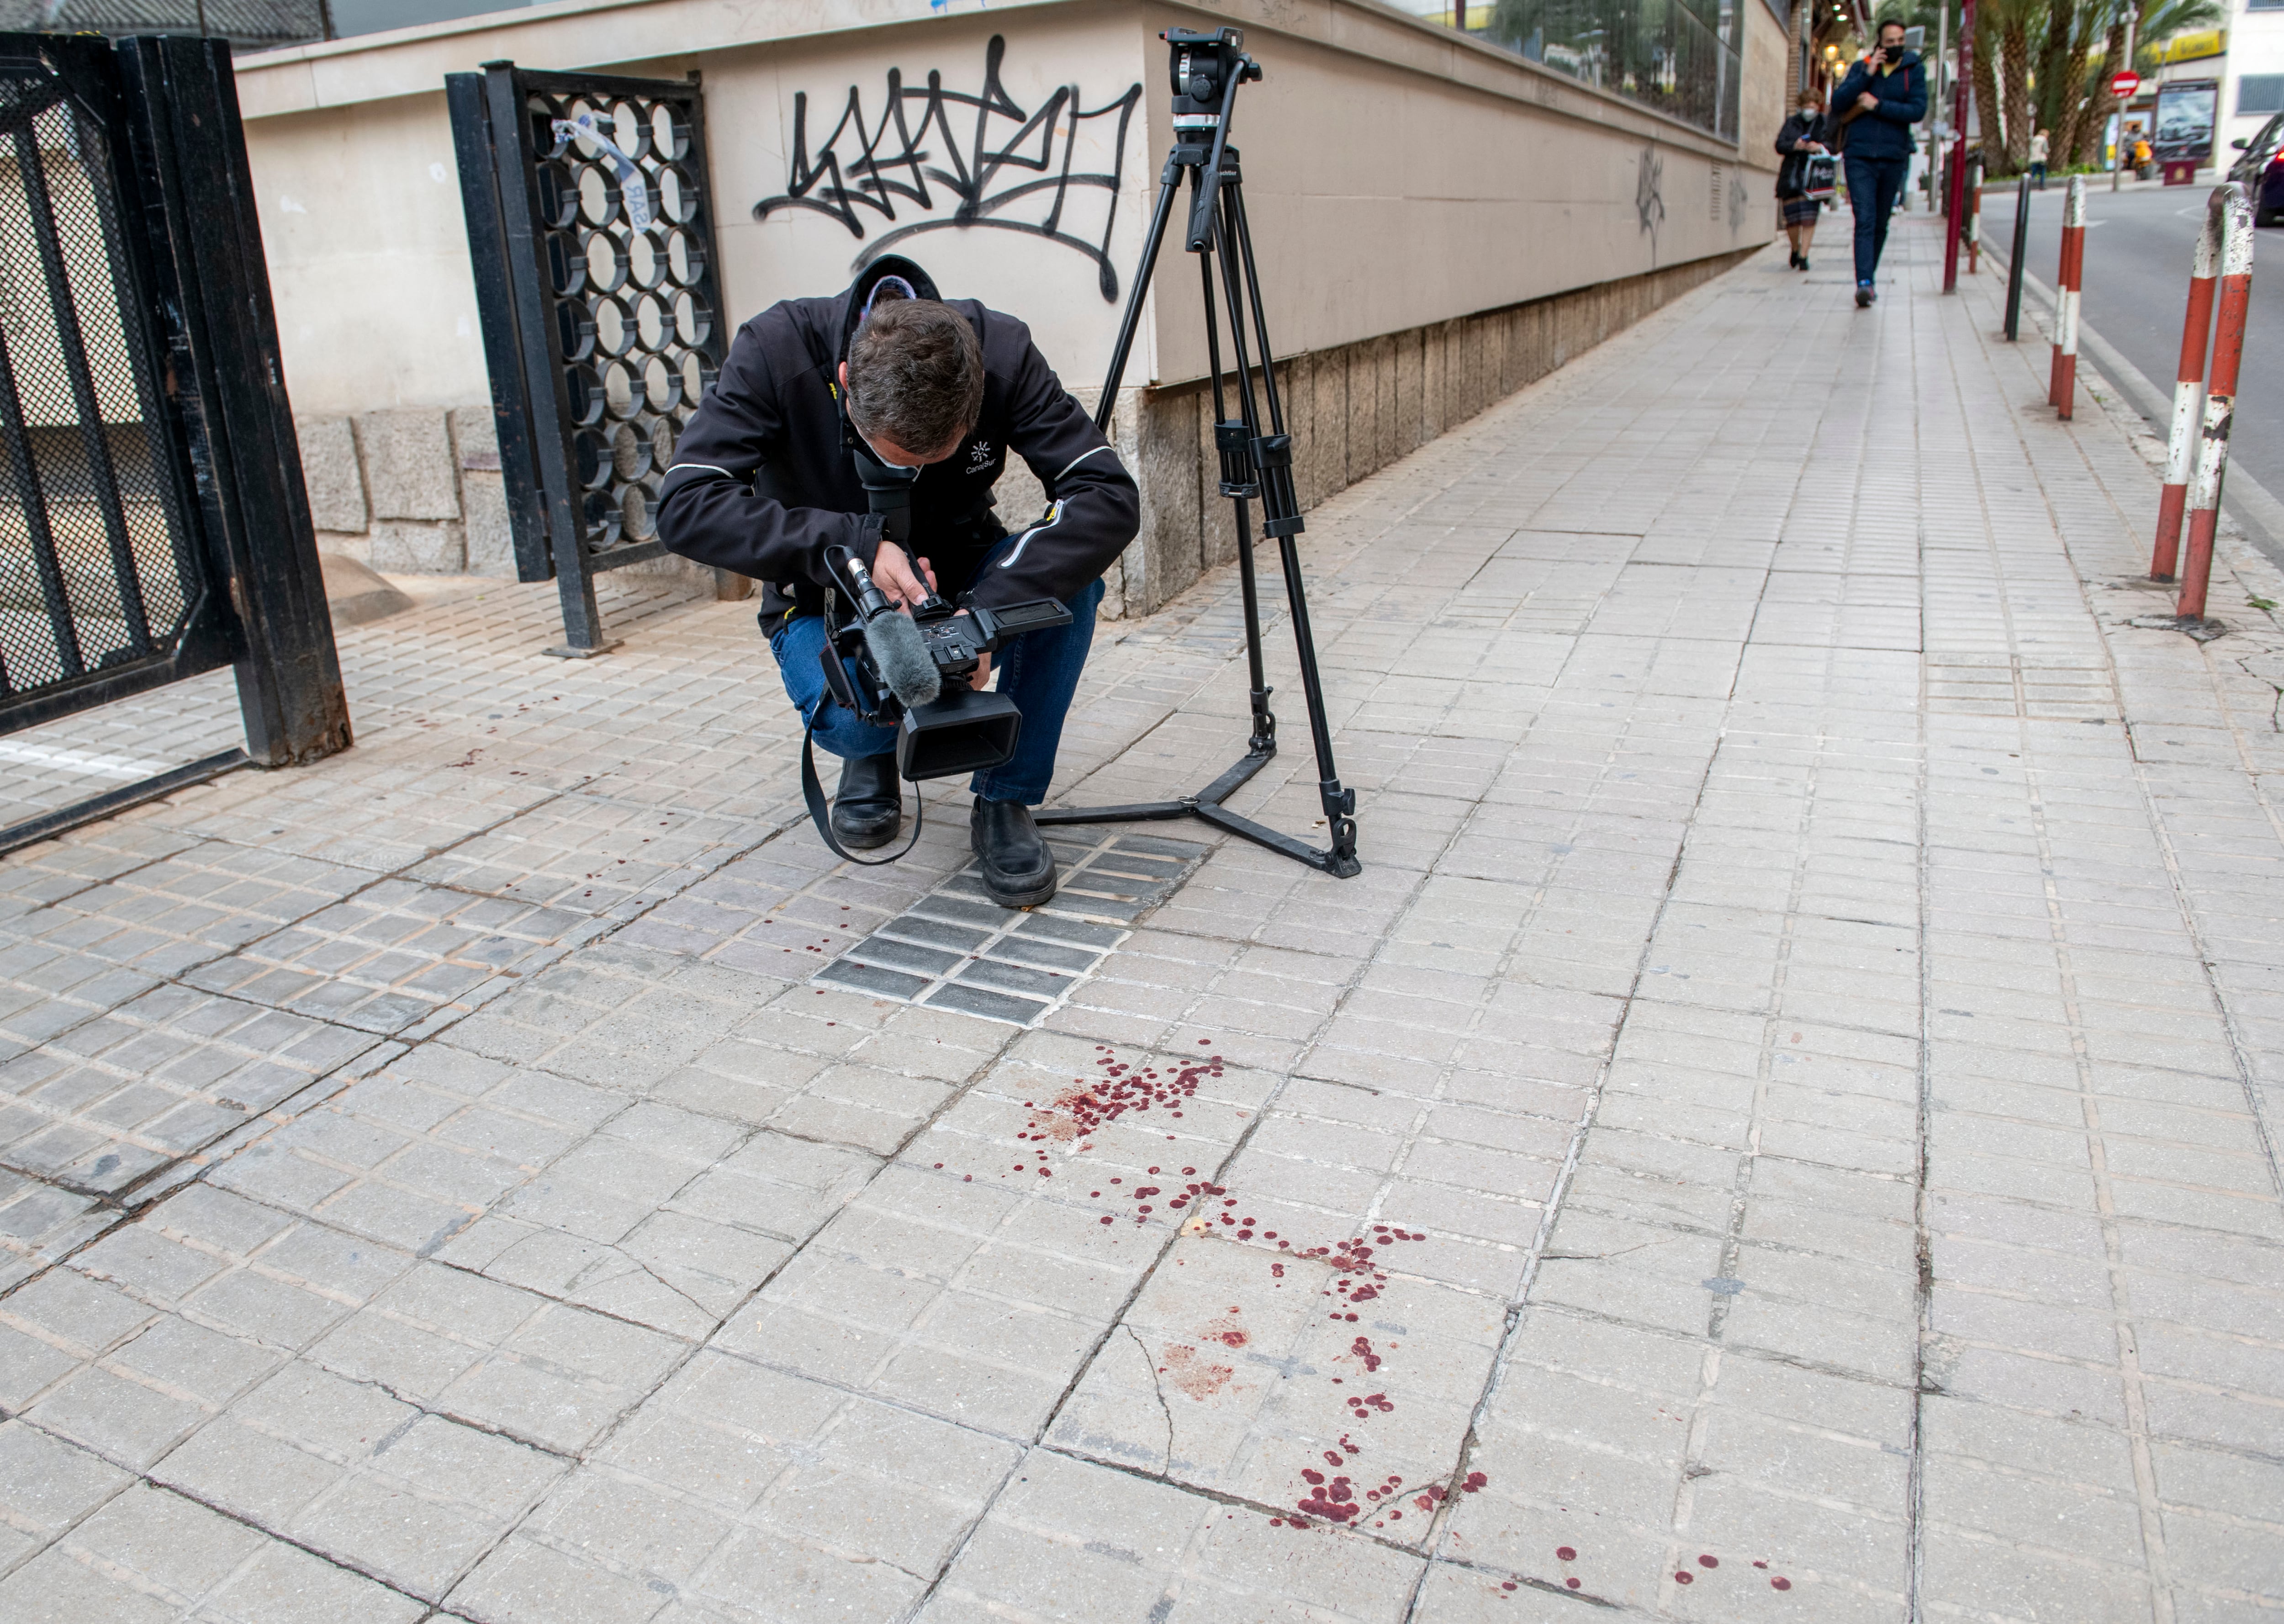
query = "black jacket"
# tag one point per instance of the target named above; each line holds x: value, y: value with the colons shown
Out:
x: 762, y: 482
x: 1799, y: 129
x: 1902, y: 93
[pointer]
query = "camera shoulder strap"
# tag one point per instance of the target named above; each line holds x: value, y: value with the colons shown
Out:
x: 820, y: 812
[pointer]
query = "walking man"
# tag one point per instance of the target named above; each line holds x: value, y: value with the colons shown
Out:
x: 1882, y: 97
x: 2038, y: 146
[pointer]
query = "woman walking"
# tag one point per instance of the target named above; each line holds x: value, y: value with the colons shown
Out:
x: 1803, y: 136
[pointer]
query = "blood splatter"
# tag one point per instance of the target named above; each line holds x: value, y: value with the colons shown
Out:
x: 1571, y: 1582
x: 1780, y: 1583
x: 1683, y: 1576
x: 1564, y: 1553
x: 1708, y: 1561
x: 1194, y: 1374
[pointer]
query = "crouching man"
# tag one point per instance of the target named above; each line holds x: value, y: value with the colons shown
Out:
x: 764, y: 481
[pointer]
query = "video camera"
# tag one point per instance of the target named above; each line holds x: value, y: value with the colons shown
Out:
x: 912, y: 673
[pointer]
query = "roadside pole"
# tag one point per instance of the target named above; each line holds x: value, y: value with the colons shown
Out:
x: 1959, y: 100
x: 2118, y: 148
x: 2014, y: 260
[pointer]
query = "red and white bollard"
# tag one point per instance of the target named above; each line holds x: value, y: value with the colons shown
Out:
x: 2188, y: 392
x: 2061, y: 383
x: 2235, y: 216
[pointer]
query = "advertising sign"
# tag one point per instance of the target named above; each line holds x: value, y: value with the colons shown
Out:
x: 2184, y: 120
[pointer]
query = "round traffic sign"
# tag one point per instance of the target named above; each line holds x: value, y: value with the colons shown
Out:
x: 2121, y: 85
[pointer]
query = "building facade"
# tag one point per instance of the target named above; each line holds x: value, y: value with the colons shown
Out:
x: 1440, y: 216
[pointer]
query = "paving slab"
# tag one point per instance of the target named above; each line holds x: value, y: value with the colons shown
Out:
x: 1784, y: 1127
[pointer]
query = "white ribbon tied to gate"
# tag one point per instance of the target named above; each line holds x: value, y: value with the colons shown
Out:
x: 632, y: 186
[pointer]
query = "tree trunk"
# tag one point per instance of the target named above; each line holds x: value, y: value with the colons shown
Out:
x: 2095, y: 108
x: 2056, y: 91
x: 1986, y: 100
x: 2014, y: 80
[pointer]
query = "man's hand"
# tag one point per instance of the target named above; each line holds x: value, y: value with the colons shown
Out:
x: 1868, y: 102
x: 982, y: 672
x: 893, y: 573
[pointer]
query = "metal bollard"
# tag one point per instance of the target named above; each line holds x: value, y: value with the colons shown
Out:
x: 2061, y: 383
x: 2235, y: 293
x: 2015, y: 260
x: 2188, y: 391
x: 1974, y: 214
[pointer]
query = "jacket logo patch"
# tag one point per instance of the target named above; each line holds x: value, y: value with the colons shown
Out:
x: 979, y: 457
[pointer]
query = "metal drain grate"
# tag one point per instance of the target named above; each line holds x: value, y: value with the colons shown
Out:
x: 957, y: 949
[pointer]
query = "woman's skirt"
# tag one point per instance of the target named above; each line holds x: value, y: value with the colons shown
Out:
x: 1801, y: 211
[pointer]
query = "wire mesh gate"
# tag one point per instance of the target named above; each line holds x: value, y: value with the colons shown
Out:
x: 591, y: 235
x: 152, y: 523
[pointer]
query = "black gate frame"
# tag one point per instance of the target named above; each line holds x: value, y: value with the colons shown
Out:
x: 229, y: 463
x: 524, y: 313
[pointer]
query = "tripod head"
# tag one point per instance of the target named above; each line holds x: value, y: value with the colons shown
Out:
x: 1206, y: 68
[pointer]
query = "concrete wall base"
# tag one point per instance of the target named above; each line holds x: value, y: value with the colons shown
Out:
x: 416, y: 490
x: 1351, y: 410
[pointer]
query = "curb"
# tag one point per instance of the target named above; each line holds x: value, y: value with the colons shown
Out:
x: 2246, y: 499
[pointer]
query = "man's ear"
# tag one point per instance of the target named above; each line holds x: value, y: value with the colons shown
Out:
x: 844, y: 378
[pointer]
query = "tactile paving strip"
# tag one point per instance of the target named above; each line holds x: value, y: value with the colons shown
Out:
x: 956, y: 948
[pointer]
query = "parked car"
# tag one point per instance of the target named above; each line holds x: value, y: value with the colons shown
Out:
x: 2260, y: 167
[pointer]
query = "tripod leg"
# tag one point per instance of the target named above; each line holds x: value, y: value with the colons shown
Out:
x: 1235, y: 481
x: 1170, y: 183
x: 1280, y: 514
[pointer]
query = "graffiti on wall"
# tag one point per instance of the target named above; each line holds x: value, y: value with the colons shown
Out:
x: 1649, y: 195
x: 935, y: 159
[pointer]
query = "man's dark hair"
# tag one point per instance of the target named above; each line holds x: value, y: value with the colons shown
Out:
x: 1881, y: 32
x: 915, y: 375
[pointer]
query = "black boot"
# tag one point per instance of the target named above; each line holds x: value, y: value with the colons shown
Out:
x: 1019, y: 871
x: 870, y: 804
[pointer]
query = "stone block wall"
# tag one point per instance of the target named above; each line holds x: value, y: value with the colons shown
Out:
x: 409, y: 490
x: 416, y: 489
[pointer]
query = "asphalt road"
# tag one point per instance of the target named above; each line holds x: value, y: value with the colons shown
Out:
x: 2138, y: 245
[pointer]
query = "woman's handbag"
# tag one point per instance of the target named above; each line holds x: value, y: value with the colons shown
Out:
x: 1820, y: 176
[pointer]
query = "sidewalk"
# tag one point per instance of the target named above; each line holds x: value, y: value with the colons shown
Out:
x: 1784, y: 1127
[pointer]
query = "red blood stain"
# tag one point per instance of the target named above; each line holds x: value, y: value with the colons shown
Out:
x: 1362, y: 1348
x: 1780, y: 1583
x: 1564, y: 1553
x: 1335, y: 1502
x: 1506, y: 1584
x: 1571, y: 1582
x: 1473, y: 1481
x: 1708, y: 1561
x: 1087, y: 1105
x: 1685, y: 1577
x: 1194, y: 1374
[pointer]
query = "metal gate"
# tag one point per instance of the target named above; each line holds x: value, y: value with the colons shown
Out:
x: 153, y: 524
x: 592, y: 235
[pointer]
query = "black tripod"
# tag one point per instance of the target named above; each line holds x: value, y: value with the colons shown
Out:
x: 1207, y: 70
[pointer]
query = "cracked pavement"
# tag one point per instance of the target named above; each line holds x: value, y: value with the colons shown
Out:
x: 1785, y: 1126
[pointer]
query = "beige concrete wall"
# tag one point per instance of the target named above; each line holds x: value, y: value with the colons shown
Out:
x: 1408, y: 189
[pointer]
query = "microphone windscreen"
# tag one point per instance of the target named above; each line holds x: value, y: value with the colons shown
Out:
x: 901, y: 654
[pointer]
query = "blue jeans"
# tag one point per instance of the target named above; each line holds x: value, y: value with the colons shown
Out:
x: 1874, y: 185
x: 1038, y: 670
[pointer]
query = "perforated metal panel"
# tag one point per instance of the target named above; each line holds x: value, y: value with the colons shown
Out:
x: 99, y: 570
x: 592, y: 235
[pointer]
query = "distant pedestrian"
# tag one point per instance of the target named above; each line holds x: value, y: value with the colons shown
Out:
x: 2038, y: 146
x: 1803, y: 137
x: 1879, y: 101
